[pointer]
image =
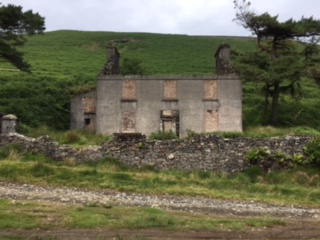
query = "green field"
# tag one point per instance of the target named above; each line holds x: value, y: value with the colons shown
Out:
x: 65, y: 63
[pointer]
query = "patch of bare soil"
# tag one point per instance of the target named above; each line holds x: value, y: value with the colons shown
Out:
x: 295, y: 230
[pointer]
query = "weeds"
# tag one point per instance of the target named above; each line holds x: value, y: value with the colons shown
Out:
x: 312, y: 150
x: 161, y: 135
x: 12, y: 152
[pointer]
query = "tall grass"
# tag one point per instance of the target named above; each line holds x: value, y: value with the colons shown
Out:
x: 70, y: 137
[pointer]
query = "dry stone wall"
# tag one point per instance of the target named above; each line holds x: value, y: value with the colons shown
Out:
x: 205, y: 152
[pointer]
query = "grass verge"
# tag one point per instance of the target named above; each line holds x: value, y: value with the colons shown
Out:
x: 298, y: 186
x: 32, y: 215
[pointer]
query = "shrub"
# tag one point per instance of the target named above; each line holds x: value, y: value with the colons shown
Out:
x: 231, y: 134
x: 272, y: 160
x: 191, y: 133
x: 161, y: 135
x: 312, y: 151
x: 132, y: 67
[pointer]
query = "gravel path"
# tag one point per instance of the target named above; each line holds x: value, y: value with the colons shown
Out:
x: 195, y: 204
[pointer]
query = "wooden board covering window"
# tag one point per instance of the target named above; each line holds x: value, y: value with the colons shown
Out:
x: 129, y: 90
x: 210, y: 89
x: 211, y: 121
x: 170, y: 89
x: 128, y: 122
x: 88, y: 105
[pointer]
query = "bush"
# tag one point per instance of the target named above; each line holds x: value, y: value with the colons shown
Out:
x: 273, y: 160
x: 312, y: 151
x: 132, y: 67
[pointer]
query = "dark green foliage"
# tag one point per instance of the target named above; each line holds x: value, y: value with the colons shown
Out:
x: 280, y: 61
x: 36, y: 100
x: 268, y: 160
x: 132, y: 67
x: 254, y: 155
x: 14, y: 25
x: 312, y: 151
x: 163, y: 135
x: 231, y: 135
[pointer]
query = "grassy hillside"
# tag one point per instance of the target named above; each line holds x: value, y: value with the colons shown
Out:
x: 67, y: 62
x: 72, y: 53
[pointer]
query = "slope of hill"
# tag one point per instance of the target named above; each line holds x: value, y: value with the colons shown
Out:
x: 68, y: 53
x: 67, y: 62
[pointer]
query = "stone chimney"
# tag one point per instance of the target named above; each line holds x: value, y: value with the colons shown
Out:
x: 112, y: 66
x: 223, y: 66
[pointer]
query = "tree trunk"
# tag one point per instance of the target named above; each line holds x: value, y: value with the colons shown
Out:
x: 266, y: 102
x: 275, y: 104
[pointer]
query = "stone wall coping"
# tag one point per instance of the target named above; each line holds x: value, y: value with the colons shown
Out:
x: 9, y: 117
x: 120, y: 77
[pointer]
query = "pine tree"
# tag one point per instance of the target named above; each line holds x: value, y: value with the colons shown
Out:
x: 286, y: 52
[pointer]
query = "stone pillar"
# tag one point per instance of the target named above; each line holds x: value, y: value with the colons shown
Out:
x: 9, y: 124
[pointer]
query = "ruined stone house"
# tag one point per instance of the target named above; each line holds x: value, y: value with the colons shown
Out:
x: 146, y: 104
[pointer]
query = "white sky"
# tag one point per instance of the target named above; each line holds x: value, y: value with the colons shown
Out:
x: 191, y: 17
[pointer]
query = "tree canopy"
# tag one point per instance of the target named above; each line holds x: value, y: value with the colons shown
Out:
x: 15, y: 25
x: 286, y: 52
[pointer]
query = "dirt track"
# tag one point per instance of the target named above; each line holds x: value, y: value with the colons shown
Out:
x: 303, y: 223
x: 297, y: 230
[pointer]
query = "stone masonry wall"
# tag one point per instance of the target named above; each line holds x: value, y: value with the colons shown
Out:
x: 205, y: 152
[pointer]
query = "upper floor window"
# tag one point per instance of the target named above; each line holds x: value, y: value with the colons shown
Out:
x: 210, y: 90
x: 129, y: 89
x: 170, y: 90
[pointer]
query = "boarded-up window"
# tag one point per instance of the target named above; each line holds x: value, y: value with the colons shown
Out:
x: 88, y: 105
x: 168, y: 125
x: 170, y: 90
x: 128, y: 122
x: 211, y: 121
x: 210, y: 89
x: 170, y: 121
x: 129, y: 90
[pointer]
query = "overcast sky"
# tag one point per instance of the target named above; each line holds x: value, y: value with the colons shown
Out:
x: 191, y: 17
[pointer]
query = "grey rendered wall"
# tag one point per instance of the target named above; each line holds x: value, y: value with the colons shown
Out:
x: 230, y: 99
x: 149, y: 104
x: 110, y: 106
x: 190, y: 95
x: 108, y: 100
x: 190, y: 104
